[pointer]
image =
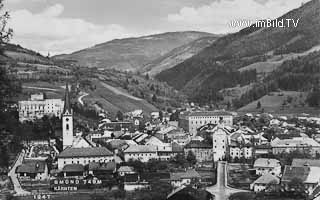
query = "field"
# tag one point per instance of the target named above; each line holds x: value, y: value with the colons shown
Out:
x: 113, y: 99
x: 284, y: 102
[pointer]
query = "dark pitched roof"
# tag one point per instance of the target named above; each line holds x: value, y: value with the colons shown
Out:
x: 131, y: 178
x: 85, y: 152
x: 33, y: 167
x: 305, y: 162
x: 198, y: 144
x: 210, y: 113
x: 95, y: 166
x: 291, y: 172
x: 73, y: 168
x: 191, y: 173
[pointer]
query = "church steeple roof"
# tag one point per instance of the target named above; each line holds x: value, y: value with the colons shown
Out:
x: 67, y: 106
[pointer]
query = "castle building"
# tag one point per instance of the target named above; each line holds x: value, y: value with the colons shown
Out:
x: 37, y: 107
x: 67, y: 122
x: 199, y: 119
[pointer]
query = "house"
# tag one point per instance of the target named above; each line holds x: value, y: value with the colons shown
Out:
x: 265, y: 182
x: 189, y: 177
x: 201, y: 150
x: 293, y: 144
x: 144, y: 153
x: 309, y: 176
x: 33, y: 169
x: 297, y: 162
x: 123, y: 170
x: 102, y: 169
x: 198, y: 119
x: 73, y: 170
x: 266, y: 165
x: 84, y: 156
x: 132, y: 182
x: 240, y: 146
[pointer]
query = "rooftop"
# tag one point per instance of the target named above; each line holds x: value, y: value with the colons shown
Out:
x: 85, y: 152
x: 198, y: 144
x: 141, y: 149
x: 32, y: 166
x: 266, y: 162
x: 126, y: 169
x: 73, y: 168
x: 95, y: 166
x: 305, y: 162
x: 291, y: 172
x: 209, y: 113
x: 295, y: 142
x: 191, y: 173
x: 267, y: 179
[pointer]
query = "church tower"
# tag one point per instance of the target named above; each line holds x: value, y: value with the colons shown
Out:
x: 67, y: 121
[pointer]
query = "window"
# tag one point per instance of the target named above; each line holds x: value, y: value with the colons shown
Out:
x: 67, y: 127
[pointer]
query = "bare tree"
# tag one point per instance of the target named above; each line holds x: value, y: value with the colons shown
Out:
x: 5, y: 32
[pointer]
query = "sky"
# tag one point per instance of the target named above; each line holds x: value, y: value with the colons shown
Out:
x: 65, y: 26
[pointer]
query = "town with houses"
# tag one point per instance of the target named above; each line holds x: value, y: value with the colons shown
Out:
x: 219, y: 152
x: 160, y: 100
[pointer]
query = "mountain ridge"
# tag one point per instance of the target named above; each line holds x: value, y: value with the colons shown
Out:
x: 204, y: 74
x: 131, y: 54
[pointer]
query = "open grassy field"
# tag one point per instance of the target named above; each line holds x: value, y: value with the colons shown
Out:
x: 284, y: 102
x: 113, y: 99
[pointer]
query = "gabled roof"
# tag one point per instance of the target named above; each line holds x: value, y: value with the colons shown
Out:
x: 267, y: 179
x: 297, y: 162
x: 95, y: 166
x: 210, y: 113
x: 266, y: 162
x: 198, y: 145
x: 291, y: 172
x: 191, y: 173
x: 131, y: 178
x: 141, y: 149
x: 85, y: 152
x: 126, y: 169
x: 73, y: 168
x: 34, y: 166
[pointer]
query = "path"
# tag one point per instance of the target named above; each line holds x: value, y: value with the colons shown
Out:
x: 221, y: 190
x: 15, y: 181
x: 119, y: 92
x: 83, y: 94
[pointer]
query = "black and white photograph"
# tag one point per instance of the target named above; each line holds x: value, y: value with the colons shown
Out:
x: 159, y: 99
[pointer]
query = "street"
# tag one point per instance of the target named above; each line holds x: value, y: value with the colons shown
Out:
x: 220, y: 190
x: 16, y: 184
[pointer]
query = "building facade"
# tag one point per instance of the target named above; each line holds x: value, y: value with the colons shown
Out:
x: 202, y: 151
x: 199, y: 119
x: 143, y: 153
x: 220, y: 141
x: 84, y: 156
x: 38, y: 106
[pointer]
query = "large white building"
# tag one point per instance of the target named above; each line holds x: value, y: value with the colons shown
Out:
x: 144, y: 153
x: 38, y: 106
x: 84, y: 156
x: 199, y: 119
